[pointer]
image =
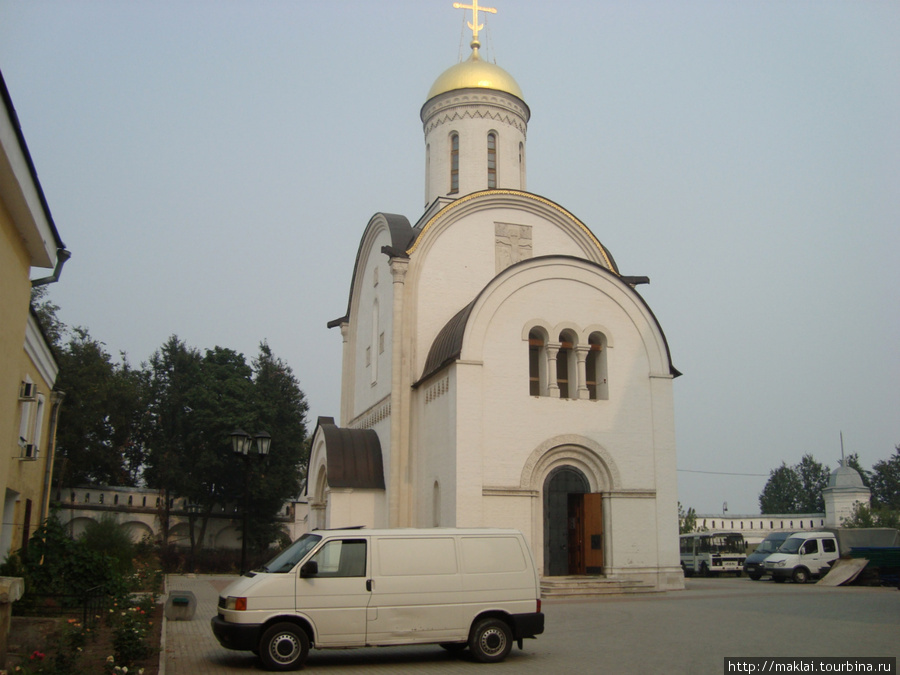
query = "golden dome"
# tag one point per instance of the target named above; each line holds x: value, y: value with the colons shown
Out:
x: 474, y: 73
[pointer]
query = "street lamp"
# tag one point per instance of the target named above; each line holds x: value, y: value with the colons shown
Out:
x: 241, y: 443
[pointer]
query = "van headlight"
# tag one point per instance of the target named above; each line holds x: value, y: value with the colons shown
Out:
x: 779, y: 563
x: 238, y: 604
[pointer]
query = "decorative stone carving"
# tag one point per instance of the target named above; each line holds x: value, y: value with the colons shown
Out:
x: 513, y: 244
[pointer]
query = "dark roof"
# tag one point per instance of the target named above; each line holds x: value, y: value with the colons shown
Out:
x: 401, y: 236
x: 353, y: 456
x: 14, y: 119
x: 447, y: 346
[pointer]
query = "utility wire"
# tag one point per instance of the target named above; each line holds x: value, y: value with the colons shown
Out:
x: 724, y: 473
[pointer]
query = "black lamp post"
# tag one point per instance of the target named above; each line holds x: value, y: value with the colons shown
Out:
x: 241, y: 443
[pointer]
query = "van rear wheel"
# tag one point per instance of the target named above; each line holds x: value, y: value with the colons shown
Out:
x: 283, y: 646
x: 490, y: 640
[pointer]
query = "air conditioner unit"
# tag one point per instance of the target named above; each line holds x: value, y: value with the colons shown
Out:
x: 28, y: 391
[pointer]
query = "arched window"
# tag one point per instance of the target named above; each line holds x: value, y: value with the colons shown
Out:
x: 454, y: 163
x: 521, y: 166
x: 374, y: 346
x: 492, y: 161
x: 537, y: 363
x: 595, y: 365
x: 436, y: 505
x: 566, y: 366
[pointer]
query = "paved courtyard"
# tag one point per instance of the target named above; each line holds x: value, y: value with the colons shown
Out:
x: 691, y: 631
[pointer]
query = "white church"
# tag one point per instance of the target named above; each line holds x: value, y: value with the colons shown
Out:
x: 498, y: 369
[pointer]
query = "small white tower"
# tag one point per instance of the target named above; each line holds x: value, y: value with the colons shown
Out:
x: 845, y: 489
x: 475, y: 121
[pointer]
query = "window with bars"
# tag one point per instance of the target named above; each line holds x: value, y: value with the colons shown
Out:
x: 566, y: 364
x: 537, y: 357
x: 595, y: 367
x: 454, y: 163
x: 492, y: 161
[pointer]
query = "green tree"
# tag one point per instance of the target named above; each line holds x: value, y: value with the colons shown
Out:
x: 280, y: 409
x: 795, y: 489
x: 99, y: 437
x: 782, y: 491
x: 196, y: 402
x: 47, y: 314
x: 813, y: 479
x: 872, y: 516
x: 687, y: 520
x: 885, y: 482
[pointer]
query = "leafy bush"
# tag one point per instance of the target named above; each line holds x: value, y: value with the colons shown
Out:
x: 57, y: 564
x: 107, y: 537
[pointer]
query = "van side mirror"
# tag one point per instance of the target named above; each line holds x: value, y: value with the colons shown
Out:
x: 309, y: 569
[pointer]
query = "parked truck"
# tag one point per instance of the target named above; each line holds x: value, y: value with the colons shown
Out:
x: 805, y: 555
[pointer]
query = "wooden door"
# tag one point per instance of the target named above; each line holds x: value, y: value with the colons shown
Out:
x: 592, y: 534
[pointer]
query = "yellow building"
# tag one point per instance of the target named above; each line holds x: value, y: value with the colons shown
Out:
x: 29, y: 407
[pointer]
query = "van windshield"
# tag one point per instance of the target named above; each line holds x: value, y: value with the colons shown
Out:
x: 768, y: 546
x: 791, y: 545
x: 289, y: 557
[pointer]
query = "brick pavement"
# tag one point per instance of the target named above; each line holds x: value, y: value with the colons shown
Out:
x: 687, y: 632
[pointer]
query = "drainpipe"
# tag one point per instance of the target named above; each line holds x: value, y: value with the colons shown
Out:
x: 62, y: 255
x: 56, y: 399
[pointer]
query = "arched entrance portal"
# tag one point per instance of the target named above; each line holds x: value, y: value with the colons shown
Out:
x: 573, y: 525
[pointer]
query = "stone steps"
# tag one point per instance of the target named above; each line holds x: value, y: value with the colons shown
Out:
x: 588, y: 587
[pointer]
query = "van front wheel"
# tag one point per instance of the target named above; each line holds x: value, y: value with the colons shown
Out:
x: 800, y: 576
x: 284, y: 646
x: 490, y: 640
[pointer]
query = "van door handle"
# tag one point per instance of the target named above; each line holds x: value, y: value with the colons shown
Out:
x: 369, y: 585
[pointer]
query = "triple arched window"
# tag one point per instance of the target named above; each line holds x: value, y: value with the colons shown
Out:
x: 570, y: 364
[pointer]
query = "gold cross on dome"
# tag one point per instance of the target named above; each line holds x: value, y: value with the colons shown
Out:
x: 474, y: 25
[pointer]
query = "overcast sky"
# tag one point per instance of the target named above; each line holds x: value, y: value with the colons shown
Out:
x: 212, y: 166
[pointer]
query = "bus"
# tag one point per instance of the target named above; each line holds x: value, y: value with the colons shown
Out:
x: 711, y: 553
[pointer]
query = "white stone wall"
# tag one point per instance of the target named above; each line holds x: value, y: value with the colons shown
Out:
x: 455, y: 258
x: 436, y: 461
x: 625, y: 445
x: 371, y: 335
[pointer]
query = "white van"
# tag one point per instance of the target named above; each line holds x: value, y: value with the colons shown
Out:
x: 803, y: 555
x: 475, y: 588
